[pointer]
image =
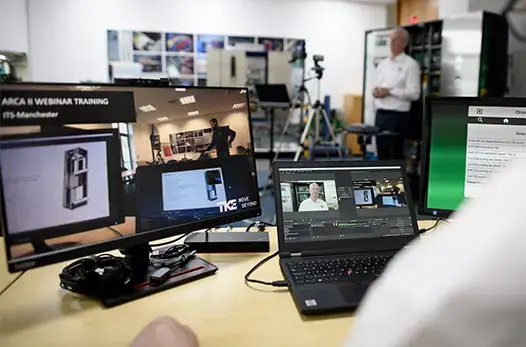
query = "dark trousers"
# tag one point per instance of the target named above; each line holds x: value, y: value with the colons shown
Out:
x: 390, y: 145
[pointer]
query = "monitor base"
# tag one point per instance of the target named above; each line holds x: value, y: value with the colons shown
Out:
x: 139, y: 286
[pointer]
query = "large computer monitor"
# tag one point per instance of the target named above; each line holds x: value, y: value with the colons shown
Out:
x: 208, y: 180
x: 467, y: 140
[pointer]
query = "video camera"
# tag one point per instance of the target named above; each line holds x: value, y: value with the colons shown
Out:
x: 318, y: 69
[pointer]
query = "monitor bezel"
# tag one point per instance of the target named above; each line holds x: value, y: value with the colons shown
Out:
x: 349, y: 245
x: 37, y: 260
x: 423, y: 208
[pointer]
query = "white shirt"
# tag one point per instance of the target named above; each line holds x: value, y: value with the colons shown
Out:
x: 310, y: 205
x: 402, y: 76
x: 463, y: 286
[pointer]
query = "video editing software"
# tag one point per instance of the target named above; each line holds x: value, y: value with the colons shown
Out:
x: 343, y: 203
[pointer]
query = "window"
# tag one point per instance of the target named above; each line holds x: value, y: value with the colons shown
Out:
x: 127, y: 155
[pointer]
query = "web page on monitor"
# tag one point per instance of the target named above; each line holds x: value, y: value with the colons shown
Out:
x: 496, y: 139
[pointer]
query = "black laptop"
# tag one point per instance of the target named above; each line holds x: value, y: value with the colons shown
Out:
x: 339, y: 224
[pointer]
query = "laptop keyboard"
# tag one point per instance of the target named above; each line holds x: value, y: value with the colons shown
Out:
x: 356, y: 269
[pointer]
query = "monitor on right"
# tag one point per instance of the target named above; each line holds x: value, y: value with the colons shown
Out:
x: 467, y: 140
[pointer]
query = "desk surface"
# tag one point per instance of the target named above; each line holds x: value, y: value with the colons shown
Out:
x: 6, y: 278
x: 221, y: 309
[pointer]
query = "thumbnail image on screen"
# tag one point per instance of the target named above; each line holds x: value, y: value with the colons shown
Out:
x: 385, y: 193
x: 309, y: 196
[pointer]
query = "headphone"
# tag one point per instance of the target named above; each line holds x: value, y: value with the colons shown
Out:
x: 97, y: 275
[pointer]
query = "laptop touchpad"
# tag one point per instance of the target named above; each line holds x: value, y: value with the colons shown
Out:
x: 353, y: 293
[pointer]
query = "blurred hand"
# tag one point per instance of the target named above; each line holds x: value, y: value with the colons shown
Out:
x: 381, y: 93
x: 165, y: 332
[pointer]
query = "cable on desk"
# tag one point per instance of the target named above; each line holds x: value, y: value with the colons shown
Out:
x: 422, y: 231
x: 260, y: 225
x: 281, y: 283
x: 13, y: 282
x: 174, y: 240
x: 116, y: 231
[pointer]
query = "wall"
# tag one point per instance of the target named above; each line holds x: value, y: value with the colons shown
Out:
x: 68, y: 38
x: 237, y: 121
x: 13, y: 26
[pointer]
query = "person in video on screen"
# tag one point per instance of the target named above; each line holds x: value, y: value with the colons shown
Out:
x: 313, y: 203
x: 222, y: 138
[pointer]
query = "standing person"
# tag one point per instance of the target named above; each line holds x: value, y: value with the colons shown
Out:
x: 313, y: 203
x: 222, y: 139
x: 397, y: 85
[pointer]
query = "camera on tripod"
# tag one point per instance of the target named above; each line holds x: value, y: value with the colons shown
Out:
x: 318, y: 69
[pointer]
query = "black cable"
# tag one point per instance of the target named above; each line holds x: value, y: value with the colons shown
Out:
x: 261, y: 226
x: 280, y: 283
x: 174, y: 240
x: 422, y: 231
x: 116, y: 231
x: 12, y: 282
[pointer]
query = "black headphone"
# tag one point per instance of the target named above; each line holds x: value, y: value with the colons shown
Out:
x: 97, y: 275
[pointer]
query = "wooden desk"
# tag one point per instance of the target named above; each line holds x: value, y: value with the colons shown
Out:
x: 6, y: 278
x: 221, y: 309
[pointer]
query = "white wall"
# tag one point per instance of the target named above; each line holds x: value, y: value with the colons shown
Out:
x: 68, y: 38
x: 237, y: 121
x: 13, y: 26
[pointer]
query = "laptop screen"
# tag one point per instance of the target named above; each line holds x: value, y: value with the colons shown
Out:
x: 333, y: 203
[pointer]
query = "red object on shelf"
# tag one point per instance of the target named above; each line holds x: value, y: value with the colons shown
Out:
x: 413, y: 20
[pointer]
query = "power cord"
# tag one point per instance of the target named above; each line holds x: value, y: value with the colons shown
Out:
x: 116, y: 231
x: 422, y: 231
x: 260, y: 225
x: 280, y: 283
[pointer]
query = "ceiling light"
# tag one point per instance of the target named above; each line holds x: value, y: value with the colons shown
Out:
x: 162, y: 119
x: 180, y: 89
x: 241, y: 105
x: 187, y: 100
x: 147, y: 108
x: 193, y: 113
x: 243, y: 91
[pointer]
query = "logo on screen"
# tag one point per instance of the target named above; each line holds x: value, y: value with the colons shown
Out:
x: 480, y: 111
x: 230, y: 205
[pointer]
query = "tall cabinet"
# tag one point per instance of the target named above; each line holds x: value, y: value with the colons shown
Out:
x: 465, y: 55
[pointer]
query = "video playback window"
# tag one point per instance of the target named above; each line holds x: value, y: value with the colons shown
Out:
x: 381, y: 193
x: 309, y: 196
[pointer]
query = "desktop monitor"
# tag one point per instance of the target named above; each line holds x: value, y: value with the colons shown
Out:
x: 208, y: 178
x: 467, y: 140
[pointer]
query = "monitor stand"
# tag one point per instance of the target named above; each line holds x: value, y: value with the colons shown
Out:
x: 139, y: 260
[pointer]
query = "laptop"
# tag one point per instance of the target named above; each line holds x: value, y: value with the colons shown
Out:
x: 339, y: 224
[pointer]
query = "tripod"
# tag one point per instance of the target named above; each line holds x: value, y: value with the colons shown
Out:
x: 316, y: 114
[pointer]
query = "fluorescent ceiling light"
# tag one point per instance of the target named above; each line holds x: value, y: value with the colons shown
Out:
x: 243, y: 91
x: 193, y: 113
x: 162, y: 119
x: 180, y: 89
x: 241, y: 105
x: 147, y: 108
x: 187, y: 100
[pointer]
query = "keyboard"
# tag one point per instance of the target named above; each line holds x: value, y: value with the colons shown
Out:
x: 355, y: 269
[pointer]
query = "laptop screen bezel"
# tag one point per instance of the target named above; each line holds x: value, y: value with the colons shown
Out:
x: 393, y: 243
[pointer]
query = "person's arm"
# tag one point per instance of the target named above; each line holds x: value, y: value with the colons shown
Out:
x: 212, y: 144
x: 302, y: 206
x: 231, y: 136
x: 411, y: 92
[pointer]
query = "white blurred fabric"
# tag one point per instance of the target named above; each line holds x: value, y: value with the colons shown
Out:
x: 464, y: 285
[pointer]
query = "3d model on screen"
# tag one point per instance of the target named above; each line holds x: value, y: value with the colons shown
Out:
x: 212, y: 178
x: 75, y: 178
